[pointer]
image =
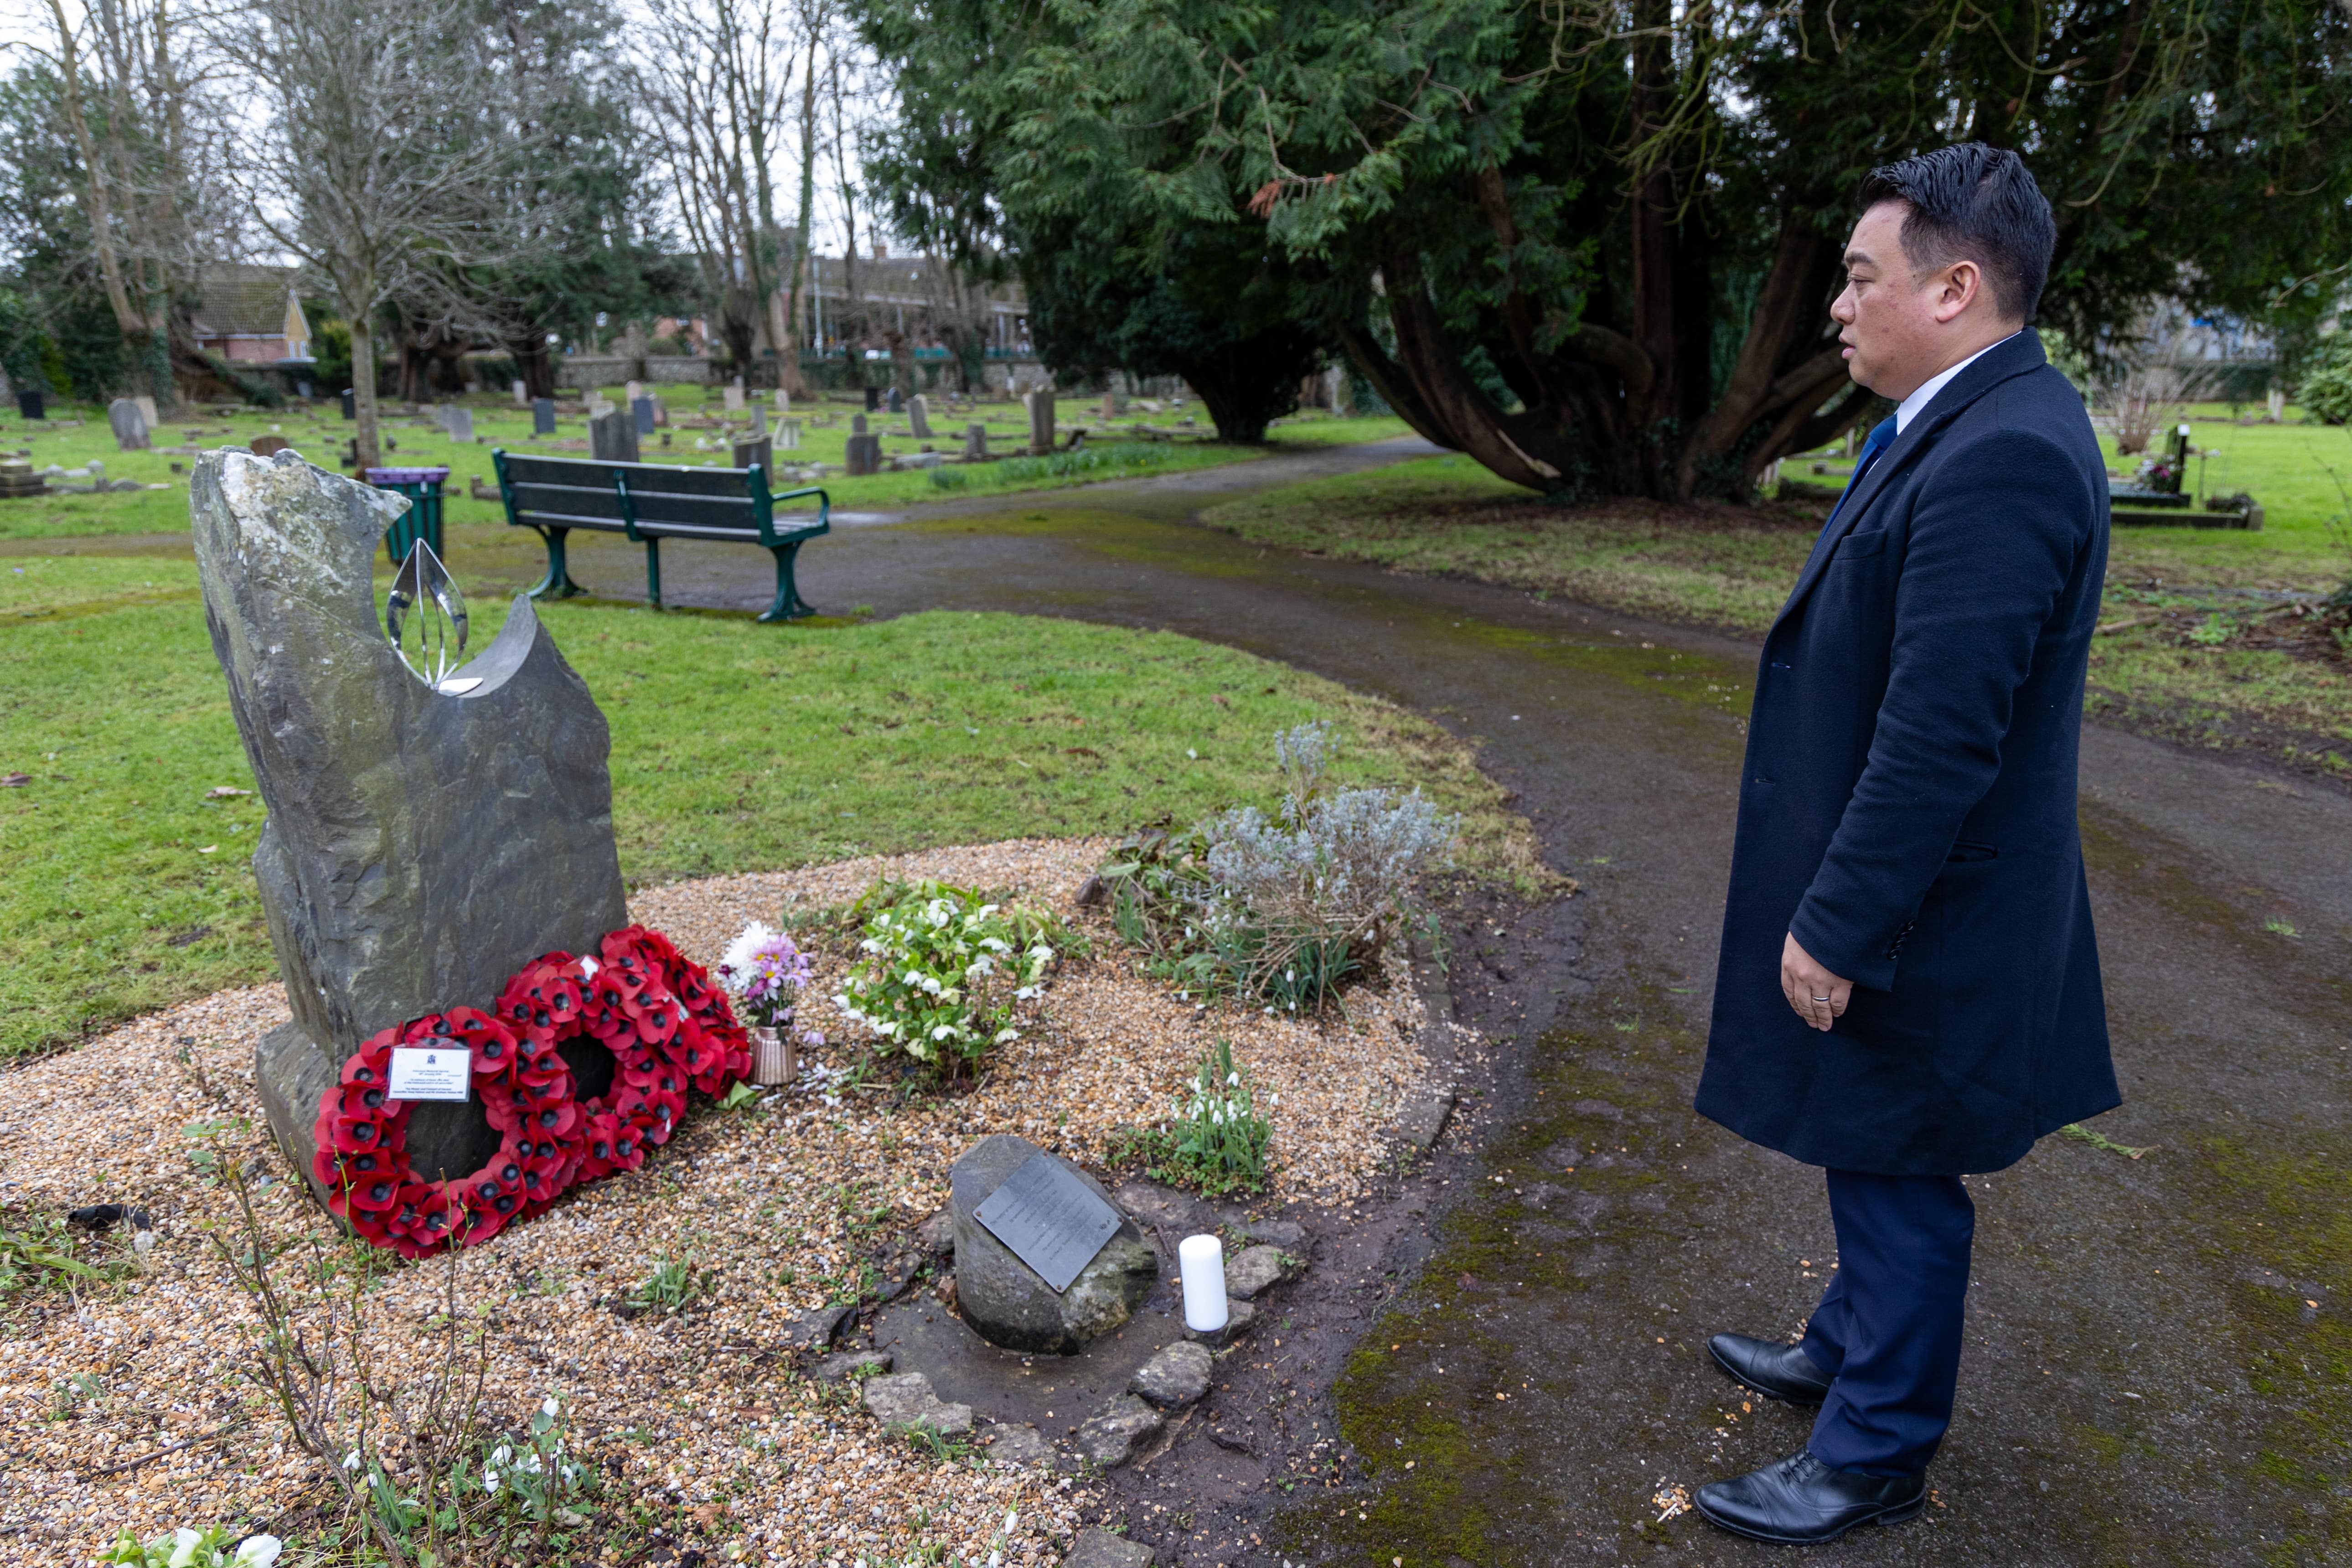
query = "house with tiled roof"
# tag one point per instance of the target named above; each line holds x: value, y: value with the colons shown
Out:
x: 250, y: 314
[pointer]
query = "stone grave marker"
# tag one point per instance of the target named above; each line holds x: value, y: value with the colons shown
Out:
x: 897, y: 401
x: 757, y: 452
x: 130, y: 426
x: 642, y: 407
x: 975, y: 440
x: 351, y: 404
x: 1110, y: 406
x: 542, y: 416
x: 632, y: 391
x: 522, y: 394
x: 147, y: 412
x: 918, y: 412
x: 1041, y: 421
x: 783, y: 402
x: 374, y: 779
x: 857, y: 424
x: 1008, y: 1300
x: 31, y: 405
x: 458, y: 421
x: 734, y: 395
x: 788, y: 435
x: 612, y: 436
x: 872, y: 400
x: 864, y: 454
x: 270, y: 446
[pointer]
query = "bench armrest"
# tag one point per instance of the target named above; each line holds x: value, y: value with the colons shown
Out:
x: 824, y: 509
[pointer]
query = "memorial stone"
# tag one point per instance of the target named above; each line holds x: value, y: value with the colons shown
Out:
x: 788, y: 435
x: 147, y: 412
x: 863, y: 455
x: 919, y: 413
x: 458, y: 421
x: 522, y: 394
x: 756, y: 453
x: 351, y: 404
x: 130, y: 425
x: 1109, y: 406
x: 612, y: 436
x: 734, y: 397
x: 303, y: 390
x: 270, y: 446
x: 897, y: 401
x: 975, y: 440
x: 31, y: 405
x: 857, y: 424
x: 542, y: 416
x: 872, y: 400
x: 783, y: 402
x: 1009, y: 1302
x: 421, y: 844
x: 1041, y: 421
x: 642, y: 407
x: 632, y: 391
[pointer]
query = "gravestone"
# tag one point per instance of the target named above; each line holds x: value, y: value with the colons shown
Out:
x: 351, y: 404
x: 873, y: 399
x: 598, y: 403
x: 863, y: 456
x: 130, y: 426
x: 420, y: 846
x: 756, y: 453
x: 734, y: 395
x: 1041, y: 421
x: 458, y: 421
x: 542, y: 416
x: 303, y: 390
x: 522, y: 394
x: 1008, y: 1301
x: 788, y: 435
x: 147, y: 412
x: 31, y: 405
x: 642, y: 407
x: 270, y: 446
x: 897, y: 401
x: 783, y: 402
x: 613, y: 437
x: 975, y: 440
x: 1110, y: 406
x: 918, y: 412
x: 857, y: 424
x: 631, y: 392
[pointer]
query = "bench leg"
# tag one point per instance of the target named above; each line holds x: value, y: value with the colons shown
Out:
x: 789, y: 605
x: 558, y: 583
x: 652, y: 572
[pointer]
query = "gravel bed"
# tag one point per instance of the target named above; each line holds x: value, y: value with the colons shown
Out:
x: 697, y: 1419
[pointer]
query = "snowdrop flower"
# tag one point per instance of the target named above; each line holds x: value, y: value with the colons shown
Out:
x: 1235, y: 1078
x: 185, y: 1542
x: 1012, y: 1518
x: 550, y: 1408
x: 351, y: 1460
x: 1026, y: 992
x: 257, y: 1551
x: 942, y: 1032
x: 914, y: 977
x: 490, y: 1479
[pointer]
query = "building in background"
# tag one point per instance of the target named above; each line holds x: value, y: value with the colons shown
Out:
x: 250, y: 314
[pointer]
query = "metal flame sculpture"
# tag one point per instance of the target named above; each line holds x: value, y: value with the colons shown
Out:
x: 424, y: 599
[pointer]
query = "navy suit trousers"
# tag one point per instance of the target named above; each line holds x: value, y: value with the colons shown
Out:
x: 1888, y: 1328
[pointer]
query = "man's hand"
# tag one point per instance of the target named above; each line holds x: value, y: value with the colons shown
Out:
x: 1818, y: 995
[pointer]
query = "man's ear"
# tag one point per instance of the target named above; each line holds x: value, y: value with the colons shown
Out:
x: 1956, y: 290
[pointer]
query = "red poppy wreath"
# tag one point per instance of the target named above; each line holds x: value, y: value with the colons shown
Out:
x: 658, y: 1012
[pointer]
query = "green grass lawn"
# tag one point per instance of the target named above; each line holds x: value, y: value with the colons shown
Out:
x: 2203, y: 650
x: 1117, y: 449
x: 123, y: 886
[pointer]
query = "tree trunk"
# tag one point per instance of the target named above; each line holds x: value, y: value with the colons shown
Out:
x: 370, y: 431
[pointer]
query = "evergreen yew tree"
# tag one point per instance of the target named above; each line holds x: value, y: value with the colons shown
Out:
x: 1592, y: 244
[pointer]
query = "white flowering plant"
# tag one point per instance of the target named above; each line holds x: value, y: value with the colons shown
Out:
x: 185, y: 1548
x: 943, y: 972
x: 1214, y: 1140
x: 536, y: 1470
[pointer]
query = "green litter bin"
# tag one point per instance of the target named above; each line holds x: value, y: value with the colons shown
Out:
x: 422, y: 518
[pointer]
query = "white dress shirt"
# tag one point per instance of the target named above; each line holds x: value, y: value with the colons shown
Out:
x: 1908, y: 409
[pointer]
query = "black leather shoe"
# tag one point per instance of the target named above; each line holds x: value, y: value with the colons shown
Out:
x: 1799, y: 1500
x: 1774, y: 1371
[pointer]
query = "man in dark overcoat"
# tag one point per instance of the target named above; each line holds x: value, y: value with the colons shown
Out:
x: 1909, y: 988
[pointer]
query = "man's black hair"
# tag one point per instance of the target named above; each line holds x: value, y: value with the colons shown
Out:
x: 1969, y: 202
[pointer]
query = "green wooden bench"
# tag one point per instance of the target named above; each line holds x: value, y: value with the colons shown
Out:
x: 649, y: 502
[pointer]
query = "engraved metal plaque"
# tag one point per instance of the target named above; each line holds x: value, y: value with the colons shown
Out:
x: 1050, y: 1220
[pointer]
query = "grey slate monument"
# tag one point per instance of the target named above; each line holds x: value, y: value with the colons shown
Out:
x: 458, y: 421
x: 857, y: 424
x: 863, y: 455
x: 421, y: 845
x: 542, y: 416
x: 130, y: 426
x: 897, y: 401
x: 612, y: 436
x: 642, y: 407
x: 918, y: 412
x: 1041, y: 421
x: 756, y: 452
x: 521, y: 394
x: 788, y: 435
x: 1007, y: 1301
x: 975, y: 440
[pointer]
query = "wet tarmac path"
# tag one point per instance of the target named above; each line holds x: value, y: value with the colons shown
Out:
x: 2158, y: 1346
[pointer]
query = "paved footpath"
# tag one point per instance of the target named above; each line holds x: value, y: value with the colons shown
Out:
x: 2158, y: 1347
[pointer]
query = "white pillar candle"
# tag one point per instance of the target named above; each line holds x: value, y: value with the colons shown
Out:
x: 1202, y: 1259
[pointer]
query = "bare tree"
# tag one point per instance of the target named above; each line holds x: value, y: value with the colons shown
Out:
x: 387, y: 133
x: 144, y: 136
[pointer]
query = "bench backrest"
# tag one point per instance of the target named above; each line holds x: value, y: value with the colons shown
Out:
x: 573, y: 492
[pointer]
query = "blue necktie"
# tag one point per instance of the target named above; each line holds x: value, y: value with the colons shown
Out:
x: 1882, y: 436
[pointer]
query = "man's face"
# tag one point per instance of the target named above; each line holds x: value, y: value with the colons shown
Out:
x: 1891, y: 320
